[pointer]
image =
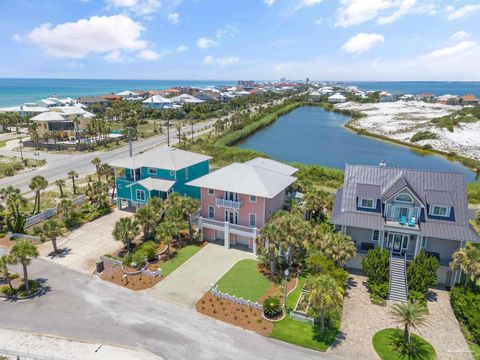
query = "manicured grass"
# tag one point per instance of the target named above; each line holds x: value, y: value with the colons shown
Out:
x: 382, y: 343
x: 183, y: 255
x: 243, y: 280
x: 304, y: 334
x: 475, y: 349
x: 2, y: 143
x: 295, y: 294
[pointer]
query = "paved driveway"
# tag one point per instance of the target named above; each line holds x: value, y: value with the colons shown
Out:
x: 85, y: 244
x: 361, y: 320
x: 191, y: 280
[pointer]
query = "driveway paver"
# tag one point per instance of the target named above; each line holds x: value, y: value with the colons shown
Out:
x: 84, y: 246
x: 361, y: 320
x: 192, y: 279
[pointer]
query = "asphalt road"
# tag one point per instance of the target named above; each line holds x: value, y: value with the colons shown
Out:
x: 84, y: 307
x: 58, y: 165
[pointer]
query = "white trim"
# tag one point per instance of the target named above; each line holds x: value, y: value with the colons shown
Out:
x: 433, y: 206
x: 249, y: 219
x: 208, y: 211
x: 401, y: 190
x: 140, y: 191
x: 403, y: 201
x: 373, y: 237
x: 149, y: 171
x: 250, y: 198
x: 374, y: 203
x: 212, y: 193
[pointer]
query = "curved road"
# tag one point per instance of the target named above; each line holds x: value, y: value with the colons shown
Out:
x: 84, y: 307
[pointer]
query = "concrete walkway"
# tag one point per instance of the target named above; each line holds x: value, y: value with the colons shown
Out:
x: 83, y: 246
x: 361, y: 320
x: 191, y: 280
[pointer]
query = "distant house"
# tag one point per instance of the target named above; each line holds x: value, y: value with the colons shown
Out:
x: 337, y: 98
x: 130, y: 95
x: 186, y: 99
x: 157, y: 173
x: 428, y: 97
x: 448, y: 99
x: 30, y: 109
x: 93, y: 100
x: 469, y: 99
x: 202, y: 95
x: 49, y: 102
x: 157, y: 102
x: 407, y: 97
x: 315, y: 96
x: 239, y: 199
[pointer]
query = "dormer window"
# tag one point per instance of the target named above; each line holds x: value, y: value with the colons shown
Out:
x: 367, y: 203
x: 403, y: 197
x: 438, y: 210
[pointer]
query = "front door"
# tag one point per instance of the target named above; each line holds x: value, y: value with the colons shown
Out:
x: 397, y: 242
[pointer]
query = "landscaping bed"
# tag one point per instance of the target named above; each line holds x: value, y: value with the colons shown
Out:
x: 383, y: 343
x: 19, y: 288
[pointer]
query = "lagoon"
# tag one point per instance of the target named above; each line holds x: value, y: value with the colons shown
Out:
x: 312, y: 135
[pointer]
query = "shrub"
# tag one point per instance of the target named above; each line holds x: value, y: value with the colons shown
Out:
x: 7, y: 291
x: 427, y: 147
x: 423, y: 135
x: 416, y: 296
x: 422, y: 273
x: 376, y: 265
x: 34, y: 286
x: 378, y: 292
x: 73, y: 220
x: 466, y: 306
x: 272, y: 307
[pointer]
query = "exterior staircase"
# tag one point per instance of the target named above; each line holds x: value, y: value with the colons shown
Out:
x: 398, y: 290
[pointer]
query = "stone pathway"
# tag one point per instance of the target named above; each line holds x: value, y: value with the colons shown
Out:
x: 187, y: 284
x: 361, y: 320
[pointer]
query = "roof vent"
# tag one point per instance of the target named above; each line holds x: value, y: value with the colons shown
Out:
x: 382, y: 163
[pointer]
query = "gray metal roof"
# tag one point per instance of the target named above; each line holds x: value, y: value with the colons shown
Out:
x: 447, y: 188
x: 369, y: 191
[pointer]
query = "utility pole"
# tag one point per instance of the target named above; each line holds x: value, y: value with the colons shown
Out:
x: 191, y: 123
x: 130, y: 150
x: 21, y: 151
x: 168, y: 132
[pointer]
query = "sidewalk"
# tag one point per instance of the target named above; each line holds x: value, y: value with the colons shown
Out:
x: 33, y: 346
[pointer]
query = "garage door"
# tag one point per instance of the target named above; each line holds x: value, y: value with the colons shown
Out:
x: 243, y: 240
x: 219, y: 235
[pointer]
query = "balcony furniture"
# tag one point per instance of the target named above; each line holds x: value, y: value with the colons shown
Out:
x: 403, y: 220
x: 412, y: 222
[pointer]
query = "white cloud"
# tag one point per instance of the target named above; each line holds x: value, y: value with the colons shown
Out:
x: 305, y: 3
x: 204, y: 42
x: 114, y: 57
x: 221, y: 61
x: 98, y: 34
x: 464, y: 11
x: 269, y: 2
x: 17, y: 37
x: 460, y: 35
x: 452, y: 50
x: 141, y: 7
x: 182, y: 48
x: 354, y: 12
x: 229, y: 30
x: 362, y: 42
x: 405, y: 7
x: 174, y: 18
x: 149, y: 55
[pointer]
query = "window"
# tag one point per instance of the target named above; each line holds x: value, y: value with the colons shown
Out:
x: 211, y: 192
x: 253, y: 220
x: 140, y: 195
x: 424, y: 242
x: 253, y: 198
x: 152, y: 171
x: 375, y: 235
x: 404, y: 198
x: 442, y: 211
x: 231, y: 216
x: 211, y: 212
x: 367, y: 203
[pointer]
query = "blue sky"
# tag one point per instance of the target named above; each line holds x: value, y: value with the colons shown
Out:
x: 241, y: 39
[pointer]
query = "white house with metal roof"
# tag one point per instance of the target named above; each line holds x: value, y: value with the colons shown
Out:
x: 239, y: 199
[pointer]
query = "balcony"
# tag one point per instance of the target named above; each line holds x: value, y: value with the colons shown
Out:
x: 223, y: 203
x: 397, y: 223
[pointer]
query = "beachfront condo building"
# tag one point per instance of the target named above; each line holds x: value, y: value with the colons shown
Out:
x: 157, y: 173
x: 239, y: 199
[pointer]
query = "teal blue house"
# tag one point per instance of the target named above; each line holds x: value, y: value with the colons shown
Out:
x: 157, y: 173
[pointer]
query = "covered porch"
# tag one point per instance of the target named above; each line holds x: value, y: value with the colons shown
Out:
x: 138, y: 193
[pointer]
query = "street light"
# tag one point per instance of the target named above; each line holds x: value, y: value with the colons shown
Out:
x: 21, y: 151
x: 287, y: 255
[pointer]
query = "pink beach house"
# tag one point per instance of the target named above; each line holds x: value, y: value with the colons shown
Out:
x: 237, y: 200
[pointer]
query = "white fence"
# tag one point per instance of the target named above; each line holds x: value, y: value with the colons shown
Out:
x: 48, y: 213
x: 34, y: 239
x: 298, y: 316
x: 27, y: 355
x: 215, y: 292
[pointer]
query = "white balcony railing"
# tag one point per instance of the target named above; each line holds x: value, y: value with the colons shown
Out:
x: 223, y: 203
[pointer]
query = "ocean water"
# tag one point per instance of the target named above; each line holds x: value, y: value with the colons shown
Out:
x: 417, y: 87
x: 18, y: 91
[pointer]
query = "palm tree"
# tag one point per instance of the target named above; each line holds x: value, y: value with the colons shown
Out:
x: 410, y: 315
x: 4, y: 261
x: 60, y: 183
x: 316, y: 202
x: 96, y: 161
x: 15, y: 201
x: 268, y: 239
x: 73, y: 175
x: 37, y: 184
x: 109, y: 173
x: 50, y: 230
x: 338, y: 247
x: 178, y: 127
x: 147, y: 219
x: 125, y: 230
x: 23, y: 252
x: 166, y: 231
x: 467, y: 259
x: 325, y: 294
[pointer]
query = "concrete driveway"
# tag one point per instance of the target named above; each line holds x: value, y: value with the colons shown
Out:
x: 193, y: 278
x: 361, y: 320
x: 83, y: 246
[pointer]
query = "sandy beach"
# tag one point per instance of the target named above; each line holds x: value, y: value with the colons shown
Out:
x: 401, y: 120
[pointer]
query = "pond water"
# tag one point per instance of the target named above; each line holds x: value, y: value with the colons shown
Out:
x: 312, y: 135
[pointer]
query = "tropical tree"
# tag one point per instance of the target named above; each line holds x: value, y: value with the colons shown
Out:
x: 60, y: 183
x: 147, y: 219
x: 166, y: 232
x: 15, y: 220
x: 37, y: 184
x: 73, y: 175
x: 125, y: 230
x: 325, y: 294
x: 23, y: 252
x: 316, y: 203
x: 97, y: 162
x: 467, y: 259
x: 4, y: 261
x: 410, y: 315
x: 338, y: 247
x: 51, y: 230
x: 269, y: 242
x: 65, y: 208
x: 109, y: 173
x: 97, y: 193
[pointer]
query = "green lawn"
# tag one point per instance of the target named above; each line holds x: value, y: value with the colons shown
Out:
x: 294, y: 295
x: 382, y: 343
x: 475, y: 349
x: 243, y: 280
x: 183, y: 255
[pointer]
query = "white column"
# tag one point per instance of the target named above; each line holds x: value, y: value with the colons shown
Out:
x: 418, y: 244
x: 344, y: 230
x: 226, y: 234
x: 380, y: 238
x: 254, y: 245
